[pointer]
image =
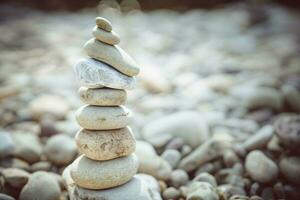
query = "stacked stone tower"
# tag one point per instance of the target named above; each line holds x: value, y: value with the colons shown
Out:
x: 105, y: 140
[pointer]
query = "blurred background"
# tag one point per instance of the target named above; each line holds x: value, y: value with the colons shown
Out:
x: 236, y: 63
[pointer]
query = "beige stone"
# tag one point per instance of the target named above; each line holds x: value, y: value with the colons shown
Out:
x: 103, y: 118
x: 110, y: 38
x: 103, y: 24
x: 91, y: 174
x: 102, y: 97
x: 112, y: 55
x: 107, y: 144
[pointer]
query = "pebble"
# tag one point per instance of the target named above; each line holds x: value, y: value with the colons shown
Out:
x: 292, y: 97
x: 6, y: 144
x: 178, y: 178
x: 206, y: 177
x: 140, y: 187
x: 110, y: 38
x: 102, y: 97
x: 15, y: 177
x: 206, y: 152
x: 239, y: 197
x: 171, y: 193
x: 290, y: 168
x: 255, y: 97
x: 41, y: 184
x: 103, y: 24
x: 230, y: 158
x: 187, y: 125
x: 107, y: 144
x: 6, y: 197
x: 203, y: 191
x: 260, y: 139
x: 228, y: 190
x: 95, y: 74
x: 172, y: 156
x: 103, y: 118
x: 287, y: 129
x: 27, y: 146
x: 175, y: 143
x: 92, y: 174
x: 60, y: 150
x: 112, y: 55
x: 52, y: 105
x: 40, y: 166
x: 150, y: 163
x: 261, y: 168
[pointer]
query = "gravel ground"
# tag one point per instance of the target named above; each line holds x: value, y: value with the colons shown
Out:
x: 218, y: 99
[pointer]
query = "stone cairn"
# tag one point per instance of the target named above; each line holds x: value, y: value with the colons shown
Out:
x: 105, y: 140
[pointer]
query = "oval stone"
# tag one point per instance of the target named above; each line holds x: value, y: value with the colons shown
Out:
x: 102, y: 97
x: 95, y: 74
x: 110, y: 38
x: 91, y: 174
x: 107, y: 144
x: 103, y: 118
x: 112, y: 55
x: 103, y: 24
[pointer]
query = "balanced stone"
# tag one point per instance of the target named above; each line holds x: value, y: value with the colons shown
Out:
x: 104, y: 24
x: 96, y: 74
x: 107, y: 144
x: 140, y: 187
x: 112, y: 55
x: 110, y: 38
x: 92, y: 174
x: 102, y: 97
x: 103, y: 118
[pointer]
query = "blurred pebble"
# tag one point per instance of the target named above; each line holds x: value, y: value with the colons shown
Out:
x: 6, y: 197
x: 206, y: 177
x: 6, y: 144
x: 265, y: 172
x: 171, y: 193
x: 60, y: 149
x: 203, y: 191
x: 27, y: 147
x: 40, y: 184
x: 172, y: 156
x: 290, y: 168
x: 178, y: 178
x: 40, y: 166
x: 15, y: 177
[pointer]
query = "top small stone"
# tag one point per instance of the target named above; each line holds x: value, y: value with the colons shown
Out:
x: 103, y: 24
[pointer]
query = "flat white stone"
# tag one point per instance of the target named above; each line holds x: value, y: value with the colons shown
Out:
x: 102, y: 96
x: 103, y: 117
x: 96, y: 74
x: 110, y: 38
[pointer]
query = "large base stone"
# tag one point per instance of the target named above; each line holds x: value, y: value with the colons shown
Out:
x: 141, y: 187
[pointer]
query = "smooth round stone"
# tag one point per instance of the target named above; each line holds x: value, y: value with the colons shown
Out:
x: 102, y: 97
x: 60, y: 149
x: 290, y: 168
x: 15, y: 177
x: 92, y: 174
x: 103, y: 118
x: 110, y: 38
x: 40, y: 185
x: 6, y: 144
x: 140, y: 187
x: 103, y: 24
x: 105, y: 145
x: 112, y: 55
x: 261, y: 168
x: 96, y: 74
x: 202, y: 190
